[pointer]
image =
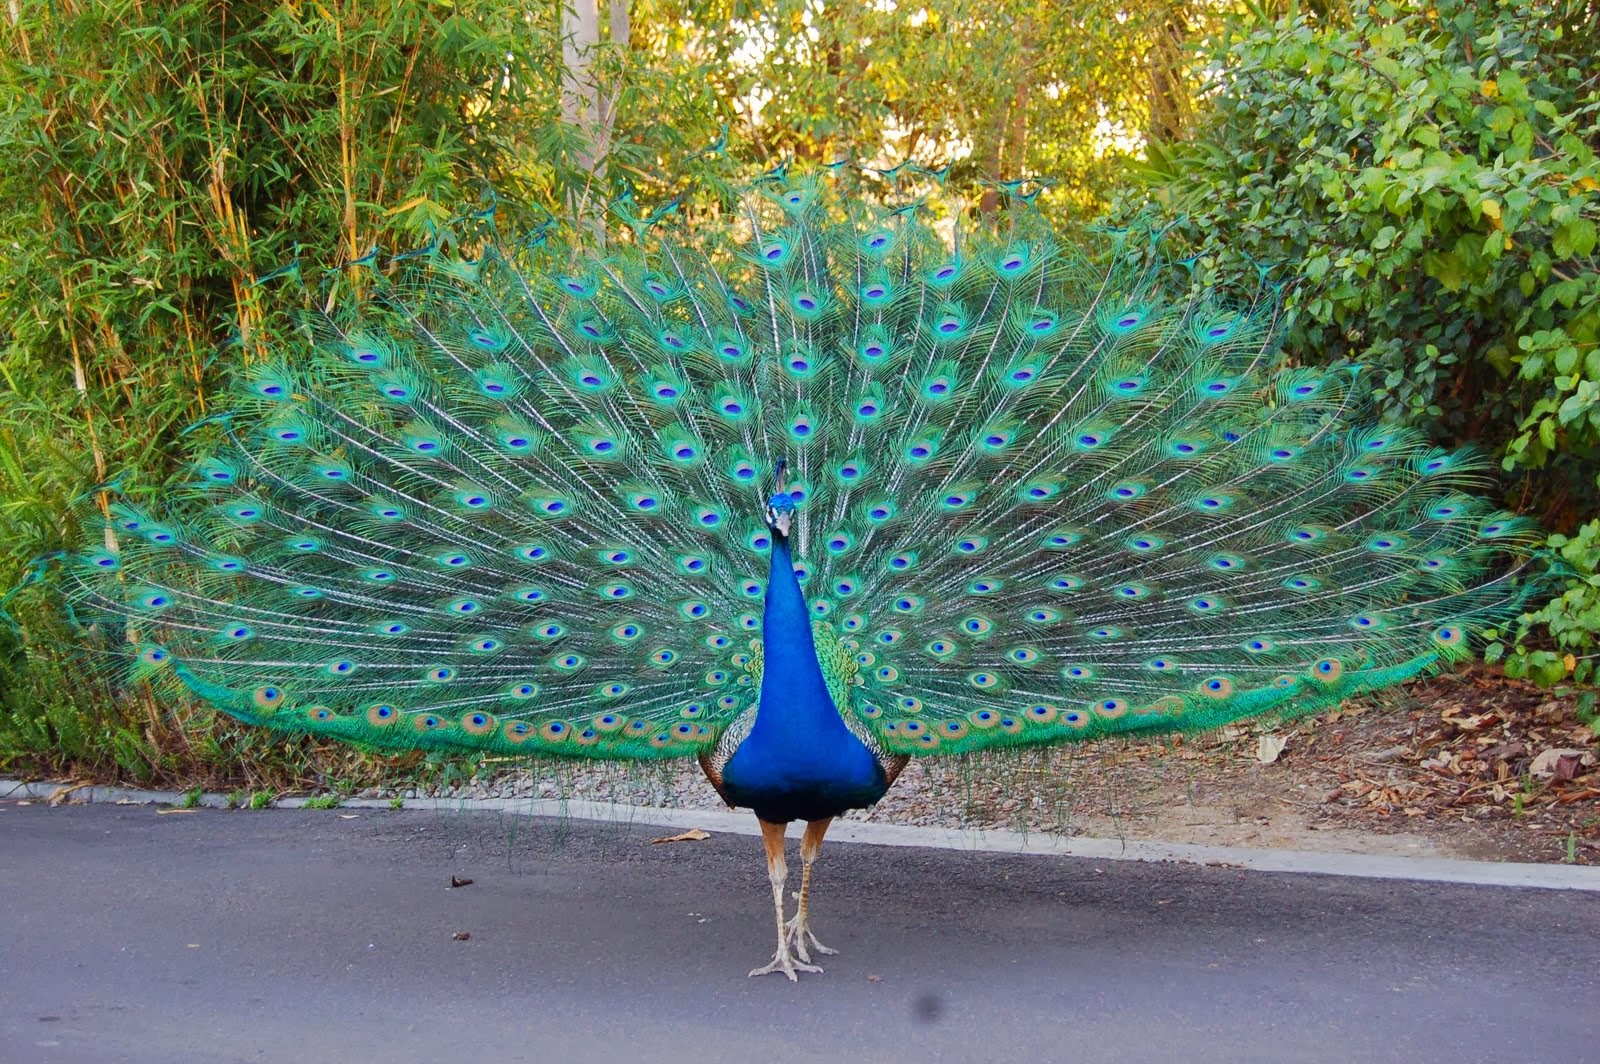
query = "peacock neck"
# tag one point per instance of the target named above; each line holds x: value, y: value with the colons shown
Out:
x: 794, y: 696
x: 799, y: 761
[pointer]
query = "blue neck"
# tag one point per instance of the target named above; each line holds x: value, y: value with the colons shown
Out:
x: 800, y: 761
x: 794, y: 699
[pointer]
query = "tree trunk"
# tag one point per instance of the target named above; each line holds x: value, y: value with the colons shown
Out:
x: 1015, y: 153
x: 580, y: 97
x: 621, y: 28
x: 1169, y: 97
x: 1006, y: 148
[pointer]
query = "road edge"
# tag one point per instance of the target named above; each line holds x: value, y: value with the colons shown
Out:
x: 972, y: 840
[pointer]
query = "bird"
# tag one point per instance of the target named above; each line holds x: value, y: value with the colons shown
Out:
x: 837, y: 485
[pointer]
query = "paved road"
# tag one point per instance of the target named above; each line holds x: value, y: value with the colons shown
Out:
x: 298, y: 936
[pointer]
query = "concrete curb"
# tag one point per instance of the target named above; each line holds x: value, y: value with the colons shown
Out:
x: 1366, y: 866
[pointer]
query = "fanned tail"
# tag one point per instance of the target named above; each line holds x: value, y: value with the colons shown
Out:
x: 515, y: 504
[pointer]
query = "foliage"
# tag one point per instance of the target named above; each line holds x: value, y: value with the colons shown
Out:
x: 1572, y: 618
x: 1428, y: 179
x: 994, y: 88
x: 160, y: 159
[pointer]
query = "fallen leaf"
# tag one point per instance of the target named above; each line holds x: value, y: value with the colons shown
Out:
x: 1504, y: 752
x: 458, y: 882
x: 1268, y: 747
x: 1567, y: 766
x: 61, y: 794
x: 461, y: 936
x: 692, y: 835
x: 1560, y: 764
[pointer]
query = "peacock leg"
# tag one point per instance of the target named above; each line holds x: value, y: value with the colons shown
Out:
x: 777, y: 872
x: 800, y: 927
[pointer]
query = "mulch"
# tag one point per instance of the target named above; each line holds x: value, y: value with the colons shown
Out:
x: 1495, y: 765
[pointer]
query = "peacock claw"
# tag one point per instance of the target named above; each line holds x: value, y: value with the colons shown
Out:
x: 798, y: 933
x: 783, y: 962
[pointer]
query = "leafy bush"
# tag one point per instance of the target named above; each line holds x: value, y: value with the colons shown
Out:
x: 1571, y: 619
x: 158, y: 159
x: 1428, y: 179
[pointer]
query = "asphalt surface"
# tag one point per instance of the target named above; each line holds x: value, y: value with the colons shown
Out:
x: 300, y: 936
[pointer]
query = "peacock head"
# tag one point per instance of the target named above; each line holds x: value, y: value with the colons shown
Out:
x: 780, y: 513
x: 780, y: 507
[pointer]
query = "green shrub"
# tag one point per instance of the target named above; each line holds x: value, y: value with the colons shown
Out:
x: 1427, y: 179
x: 1572, y: 619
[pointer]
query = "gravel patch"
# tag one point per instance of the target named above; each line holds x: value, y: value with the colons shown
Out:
x: 1027, y: 791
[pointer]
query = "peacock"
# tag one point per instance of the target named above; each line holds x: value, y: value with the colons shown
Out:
x: 854, y: 484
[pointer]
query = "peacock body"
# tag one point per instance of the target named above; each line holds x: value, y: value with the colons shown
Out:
x: 801, y: 507
x: 807, y: 762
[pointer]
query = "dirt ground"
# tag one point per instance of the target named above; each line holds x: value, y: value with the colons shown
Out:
x: 1471, y: 765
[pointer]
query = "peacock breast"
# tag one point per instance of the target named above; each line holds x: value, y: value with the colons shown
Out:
x: 789, y: 775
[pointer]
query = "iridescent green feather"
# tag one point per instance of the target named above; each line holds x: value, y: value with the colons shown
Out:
x: 1042, y: 497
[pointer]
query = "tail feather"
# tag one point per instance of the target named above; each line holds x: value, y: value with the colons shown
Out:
x: 515, y: 504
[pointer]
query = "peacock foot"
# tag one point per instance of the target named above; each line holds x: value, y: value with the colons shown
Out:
x: 799, y: 931
x: 783, y: 962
